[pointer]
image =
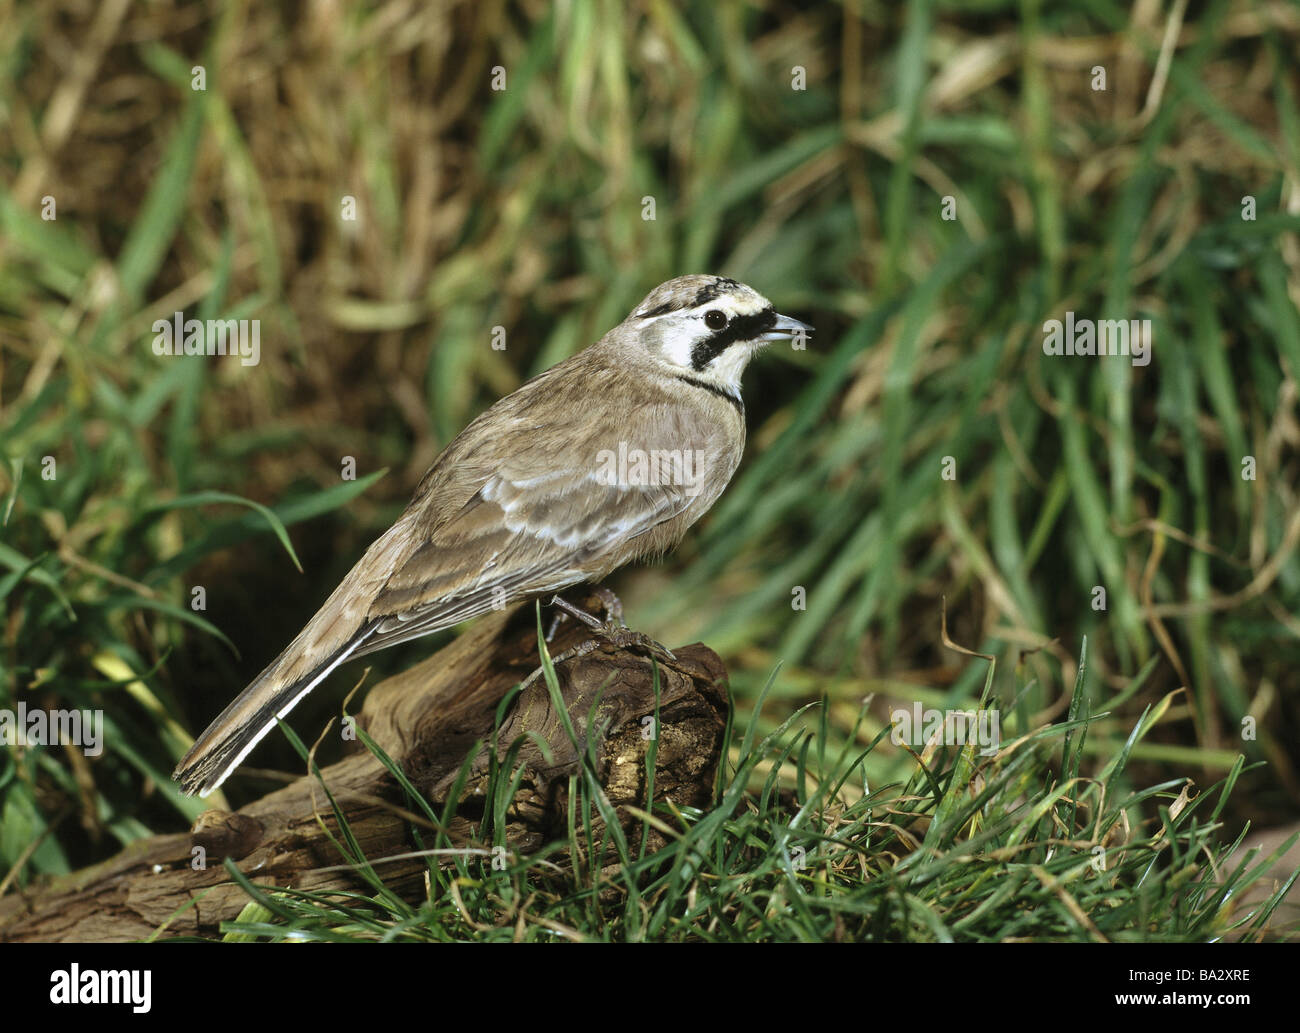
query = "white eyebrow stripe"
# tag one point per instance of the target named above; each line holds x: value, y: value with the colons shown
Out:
x: 733, y: 305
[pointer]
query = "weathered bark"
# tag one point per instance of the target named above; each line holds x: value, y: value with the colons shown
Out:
x: 426, y: 719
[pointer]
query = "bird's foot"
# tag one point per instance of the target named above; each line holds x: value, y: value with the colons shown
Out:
x: 611, y: 631
x: 622, y: 637
x: 613, y: 628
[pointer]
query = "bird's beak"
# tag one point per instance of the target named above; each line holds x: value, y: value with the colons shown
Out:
x: 785, y: 328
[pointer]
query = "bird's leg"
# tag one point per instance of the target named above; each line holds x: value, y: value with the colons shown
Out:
x: 560, y: 613
x: 611, y: 630
x: 565, y: 609
x: 613, y: 604
x: 610, y: 603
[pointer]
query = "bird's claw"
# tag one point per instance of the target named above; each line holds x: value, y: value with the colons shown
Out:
x: 612, y: 631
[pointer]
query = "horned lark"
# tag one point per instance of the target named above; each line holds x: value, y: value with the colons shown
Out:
x: 607, y: 457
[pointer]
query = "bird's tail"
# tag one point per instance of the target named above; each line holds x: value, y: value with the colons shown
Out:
x: 253, y: 713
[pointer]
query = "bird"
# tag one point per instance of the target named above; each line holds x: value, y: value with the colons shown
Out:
x: 552, y: 486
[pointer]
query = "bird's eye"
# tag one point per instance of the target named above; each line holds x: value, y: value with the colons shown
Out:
x: 715, y: 319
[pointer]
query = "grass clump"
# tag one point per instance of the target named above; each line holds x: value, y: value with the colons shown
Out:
x: 800, y: 845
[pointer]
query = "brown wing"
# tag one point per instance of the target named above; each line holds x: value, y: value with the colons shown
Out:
x: 516, y: 537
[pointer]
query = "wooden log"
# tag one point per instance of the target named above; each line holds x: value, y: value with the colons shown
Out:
x: 427, y: 719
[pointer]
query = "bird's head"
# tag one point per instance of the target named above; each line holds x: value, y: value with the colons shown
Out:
x: 708, y: 327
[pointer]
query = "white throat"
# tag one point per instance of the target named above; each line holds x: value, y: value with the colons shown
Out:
x: 727, y: 368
